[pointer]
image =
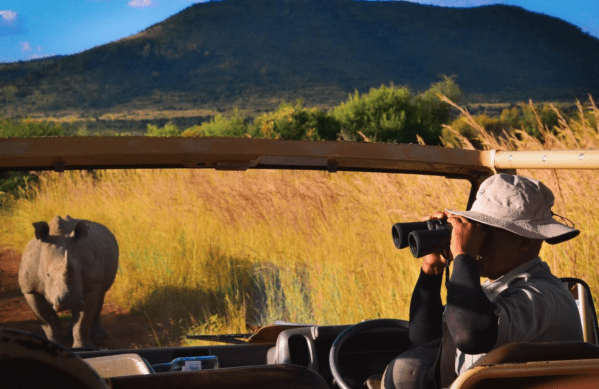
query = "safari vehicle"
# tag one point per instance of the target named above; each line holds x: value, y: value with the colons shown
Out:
x: 287, y: 355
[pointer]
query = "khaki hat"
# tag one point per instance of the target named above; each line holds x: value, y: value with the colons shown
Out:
x: 520, y: 205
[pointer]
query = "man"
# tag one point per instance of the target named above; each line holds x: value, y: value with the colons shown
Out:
x: 499, y: 238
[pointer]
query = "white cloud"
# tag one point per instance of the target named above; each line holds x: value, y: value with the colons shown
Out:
x: 25, y: 47
x: 8, y: 17
x: 38, y: 56
x: 143, y: 3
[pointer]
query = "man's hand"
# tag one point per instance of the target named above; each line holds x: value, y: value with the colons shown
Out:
x: 433, y: 264
x: 467, y: 237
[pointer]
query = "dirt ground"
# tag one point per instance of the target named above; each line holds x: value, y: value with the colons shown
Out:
x: 125, y: 329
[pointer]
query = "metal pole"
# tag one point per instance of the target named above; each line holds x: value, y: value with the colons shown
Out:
x: 546, y: 159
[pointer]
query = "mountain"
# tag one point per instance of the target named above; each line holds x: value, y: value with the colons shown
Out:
x: 255, y: 52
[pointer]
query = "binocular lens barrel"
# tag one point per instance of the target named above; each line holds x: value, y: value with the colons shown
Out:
x: 427, y: 242
x: 401, y: 231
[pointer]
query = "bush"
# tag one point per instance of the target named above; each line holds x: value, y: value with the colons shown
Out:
x: 432, y: 112
x: 522, y: 117
x: 169, y: 129
x: 30, y: 128
x: 12, y: 183
x: 296, y: 122
x: 219, y: 126
x: 381, y: 115
x: 391, y: 114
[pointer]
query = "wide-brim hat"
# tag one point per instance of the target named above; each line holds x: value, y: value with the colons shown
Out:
x: 520, y: 205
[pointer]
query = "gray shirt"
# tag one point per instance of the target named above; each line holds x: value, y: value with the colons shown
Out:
x: 532, y: 306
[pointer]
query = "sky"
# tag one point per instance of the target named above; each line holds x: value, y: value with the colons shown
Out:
x: 31, y: 29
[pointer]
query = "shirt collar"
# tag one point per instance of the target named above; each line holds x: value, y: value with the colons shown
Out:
x: 493, y: 288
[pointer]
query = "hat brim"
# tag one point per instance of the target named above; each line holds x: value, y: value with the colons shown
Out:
x: 551, y: 231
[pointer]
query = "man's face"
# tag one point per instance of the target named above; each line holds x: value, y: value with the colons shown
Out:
x: 498, y: 252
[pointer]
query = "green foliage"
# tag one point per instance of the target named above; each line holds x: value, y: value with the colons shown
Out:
x: 296, y: 122
x: 12, y: 183
x: 431, y: 112
x: 524, y: 118
x: 380, y: 115
x: 220, y: 126
x: 527, y: 118
x: 169, y: 129
x: 30, y: 128
x: 392, y: 114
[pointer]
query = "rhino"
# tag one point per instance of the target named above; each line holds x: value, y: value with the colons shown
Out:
x: 69, y: 265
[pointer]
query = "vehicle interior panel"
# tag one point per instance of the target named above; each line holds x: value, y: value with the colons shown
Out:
x: 229, y: 356
x: 262, y: 377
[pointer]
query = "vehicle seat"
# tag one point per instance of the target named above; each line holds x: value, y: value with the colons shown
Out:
x: 549, y: 365
x: 553, y: 364
x: 539, y: 352
x: 588, y: 316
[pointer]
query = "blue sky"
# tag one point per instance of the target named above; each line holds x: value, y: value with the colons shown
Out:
x: 37, y: 28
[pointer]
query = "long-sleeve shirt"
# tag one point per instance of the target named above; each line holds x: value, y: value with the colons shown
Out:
x: 526, y: 304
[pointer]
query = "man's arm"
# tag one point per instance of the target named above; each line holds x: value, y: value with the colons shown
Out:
x: 426, y: 309
x: 470, y: 315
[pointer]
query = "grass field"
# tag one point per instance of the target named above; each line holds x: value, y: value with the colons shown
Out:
x: 196, y: 245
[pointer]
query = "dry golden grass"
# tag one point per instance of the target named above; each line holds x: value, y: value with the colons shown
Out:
x: 195, y: 244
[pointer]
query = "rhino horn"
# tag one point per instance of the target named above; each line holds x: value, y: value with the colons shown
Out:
x: 42, y: 230
x: 80, y: 231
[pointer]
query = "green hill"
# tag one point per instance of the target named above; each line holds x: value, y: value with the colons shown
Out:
x: 253, y: 53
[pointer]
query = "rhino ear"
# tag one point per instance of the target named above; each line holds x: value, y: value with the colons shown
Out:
x: 68, y: 218
x: 80, y: 231
x: 42, y: 230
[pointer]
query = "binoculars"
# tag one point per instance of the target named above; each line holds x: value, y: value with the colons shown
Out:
x: 432, y: 236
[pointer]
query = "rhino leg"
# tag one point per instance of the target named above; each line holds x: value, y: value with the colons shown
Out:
x: 84, y: 320
x: 44, y: 311
x: 97, y: 332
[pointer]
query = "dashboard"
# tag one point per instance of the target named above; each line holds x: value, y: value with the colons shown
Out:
x: 361, y: 356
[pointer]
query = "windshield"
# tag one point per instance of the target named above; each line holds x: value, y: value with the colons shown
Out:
x: 206, y: 252
x: 202, y: 251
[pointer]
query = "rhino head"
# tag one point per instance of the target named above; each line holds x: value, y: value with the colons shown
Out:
x: 60, y: 264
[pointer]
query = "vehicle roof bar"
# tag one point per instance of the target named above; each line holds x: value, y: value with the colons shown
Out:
x: 73, y: 153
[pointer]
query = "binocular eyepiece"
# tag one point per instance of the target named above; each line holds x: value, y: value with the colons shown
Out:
x: 432, y: 236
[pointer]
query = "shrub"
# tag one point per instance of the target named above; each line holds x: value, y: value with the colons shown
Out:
x: 381, y: 115
x: 296, y: 122
x: 169, y: 129
x: 30, y: 128
x: 432, y: 113
x: 220, y: 126
x: 392, y: 114
x: 523, y: 117
x: 12, y: 183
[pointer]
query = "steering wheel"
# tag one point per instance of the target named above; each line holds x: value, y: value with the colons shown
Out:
x: 29, y: 361
x: 351, y: 331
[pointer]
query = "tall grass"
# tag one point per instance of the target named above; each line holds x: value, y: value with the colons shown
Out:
x: 206, y: 251
x: 193, y: 242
